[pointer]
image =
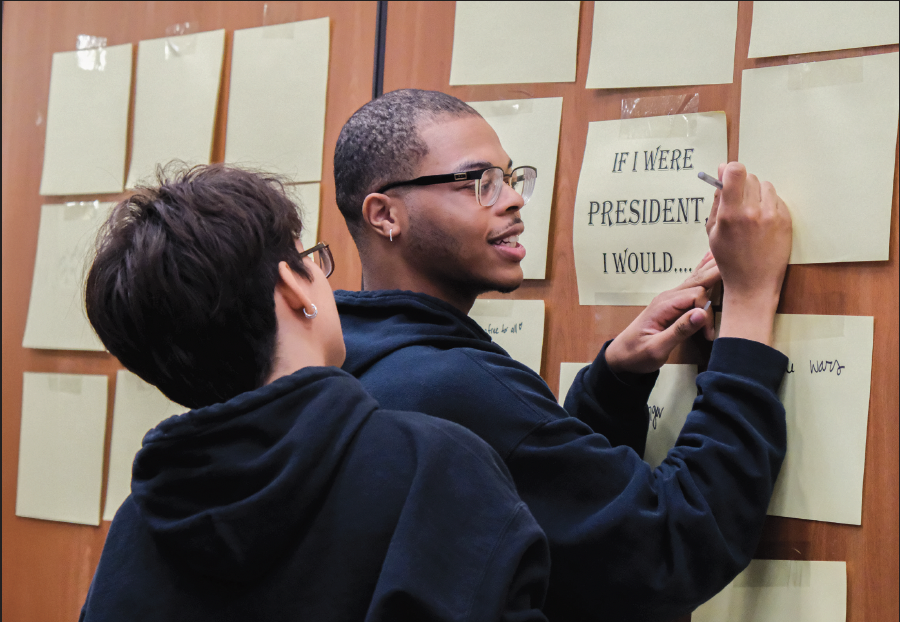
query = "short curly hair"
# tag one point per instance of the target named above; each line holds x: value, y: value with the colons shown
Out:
x: 380, y: 143
x: 181, y: 289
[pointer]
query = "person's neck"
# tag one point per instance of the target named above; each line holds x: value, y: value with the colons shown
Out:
x: 293, y: 355
x: 408, y: 280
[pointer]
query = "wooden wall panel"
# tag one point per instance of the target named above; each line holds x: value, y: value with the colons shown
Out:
x: 47, y: 566
x: 417, y: 55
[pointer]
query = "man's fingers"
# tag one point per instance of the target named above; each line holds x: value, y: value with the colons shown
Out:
x: 705, y: 276
x: 685, y: 326
x: 734, y: 178
x: 706, y: 259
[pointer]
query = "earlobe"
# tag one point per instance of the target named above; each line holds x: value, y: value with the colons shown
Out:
x: 381, y: 215
x: 291, y: 289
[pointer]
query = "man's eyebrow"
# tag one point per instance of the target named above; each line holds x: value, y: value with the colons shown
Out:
x: 472, y: 165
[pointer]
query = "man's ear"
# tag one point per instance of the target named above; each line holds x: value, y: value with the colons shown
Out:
x: 384, y: 215
x: 293, y: 288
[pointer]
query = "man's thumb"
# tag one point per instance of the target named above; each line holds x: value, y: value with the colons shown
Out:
x: 684, y: 327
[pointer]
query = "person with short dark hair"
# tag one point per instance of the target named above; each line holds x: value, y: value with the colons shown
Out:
x: 434, y: 205
x: 287, y: 493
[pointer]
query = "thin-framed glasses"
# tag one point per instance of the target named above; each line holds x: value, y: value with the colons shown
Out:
x: 488, y: 182
x: 322, y: 257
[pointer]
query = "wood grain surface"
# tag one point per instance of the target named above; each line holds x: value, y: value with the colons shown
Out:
x: 48, y: 566
x: 418, y: 53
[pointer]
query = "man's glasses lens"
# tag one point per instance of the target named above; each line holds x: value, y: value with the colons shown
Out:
x: 491, y: 184
x: 321, y: 254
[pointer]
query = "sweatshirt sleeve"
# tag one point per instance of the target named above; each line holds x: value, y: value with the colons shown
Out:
x: 612, y: 405
x: 634, y: 543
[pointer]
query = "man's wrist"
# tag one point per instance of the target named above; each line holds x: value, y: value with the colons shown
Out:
x: 748, y: 316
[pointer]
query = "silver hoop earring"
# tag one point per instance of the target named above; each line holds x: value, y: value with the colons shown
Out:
x: 314, y: 313
x: 391, y: 234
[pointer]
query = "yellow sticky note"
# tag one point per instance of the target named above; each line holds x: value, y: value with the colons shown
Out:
x: 640, y: 211
x: 307, y: 199
x: 670, y: 402
x: 56, y: 317
x: 662, y: 44
x: 138, y: 408
x: 61, y: 447
x: 783, y: 27
x: 517, y: 326
x: 87, y: 121
x: 824, y: 134
x: 514, y: 42
x: 175, y: 104
x: 276, y: 105
x: 529, y: 132
x: 772, y: 590
x: 826, y: 400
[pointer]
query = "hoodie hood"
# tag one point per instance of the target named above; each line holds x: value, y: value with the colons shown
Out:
x: 229, y: 488
x: 377, y: 323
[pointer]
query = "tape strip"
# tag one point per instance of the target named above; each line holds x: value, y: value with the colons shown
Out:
x: 672, y: 126
x: 775, y: 573
x: 64, y: 383
x: 492, y: 308
x: 91, y: 52
x: 825, y: 73
x: 505, y: 108
x: 80, y: 210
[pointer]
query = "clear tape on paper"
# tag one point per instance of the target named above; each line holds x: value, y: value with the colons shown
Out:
x: 91, y: 52
x: 665, y: 116
x: 815, y: 75
x: 64, y: 383
x: 638, y: 107
x: 281, y: 14
x: 506, y: 108
x: 494, y: 308
x: 80, y: 210
x: 792, y: 573
x: 181, y: 39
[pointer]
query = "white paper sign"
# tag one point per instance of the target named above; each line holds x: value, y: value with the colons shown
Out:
x: 175, y: 103
x: 276, y: 105
x: 87, y: 121
x: 670, y: 402
x: 529, y: 132
x: 781, y: 591
x: 56, y: 318
x: 61, y: 447
x: 828, y: 147
x: 138, y: 408
x: 517, y: 326
x: 307, y: 199
x: 826, y: 398
x: 539, y: 42
x: 640, y: 211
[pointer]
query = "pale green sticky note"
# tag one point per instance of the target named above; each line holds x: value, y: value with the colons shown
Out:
x: 56, y: 317
x: 87, y: 121
x: 781, y: 28
x: 175, y: 104
x: 137, y: 409
x: 307, y: 198
x: 61, y: 447
x: 517, y: 326
x: 826, y: 400
x: 635, y: 44
x: 567, y: 373
x: 670, y: 402
x: 640, y: 211
x: 772, y: 590
x: 828, y: 147
x: 514, y: 42
x: 529, y: 132
x: 276, y: 105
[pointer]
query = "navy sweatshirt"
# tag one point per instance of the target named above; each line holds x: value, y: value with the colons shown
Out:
x: 302, y: 500
x: 627, y: 542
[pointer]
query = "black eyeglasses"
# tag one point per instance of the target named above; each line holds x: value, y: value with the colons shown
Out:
x: 323, y: 257
x: 488, y: 182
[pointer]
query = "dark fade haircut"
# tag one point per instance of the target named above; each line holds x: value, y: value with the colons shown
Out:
x: 380, y: 143
x: 181, y: 289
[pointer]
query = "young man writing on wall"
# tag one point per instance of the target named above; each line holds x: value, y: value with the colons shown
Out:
x: 434, y: 208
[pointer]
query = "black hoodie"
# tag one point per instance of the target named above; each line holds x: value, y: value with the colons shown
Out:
x: 303, y: 500
x: 627, y: 542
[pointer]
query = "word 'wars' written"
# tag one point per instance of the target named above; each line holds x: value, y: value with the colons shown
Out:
x: 821, y: 366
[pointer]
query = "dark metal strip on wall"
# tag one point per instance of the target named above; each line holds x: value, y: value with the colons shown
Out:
x: 380, y: 34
